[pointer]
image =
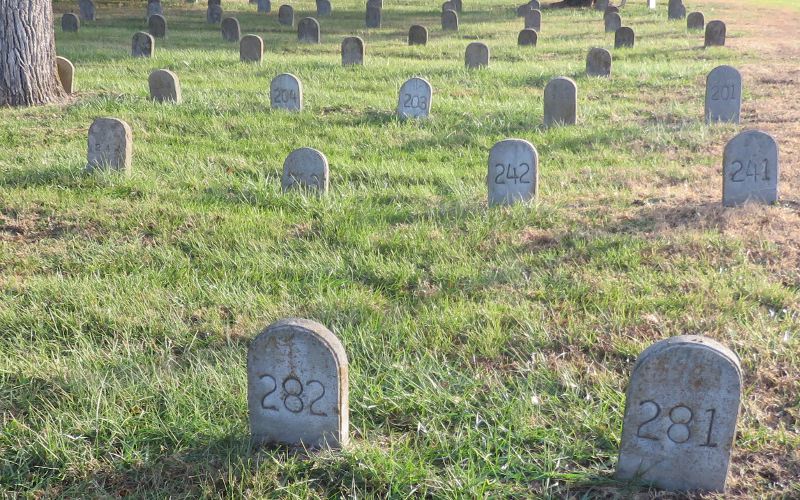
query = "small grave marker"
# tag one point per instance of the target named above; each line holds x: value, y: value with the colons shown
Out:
x: 375, y: 3
x: 527, y: 37
x: 476, y: 55
x: 458, y: 5
x: 157, y: 26
x: 251, y: 49
x: 416, y: 96
x: 264, y: 6
x: 513, y: 172
x: 70, y: 23
x: 612, y: 21
x: 651, y: 4
x: 601, y: 5
x: 308, y: 30
x: 66, y: 73
x: 214, y: 14
x: 165, y: 86
x: 307, y: 169
x: 154, y: 8
x: 231, y: 32
x: 417, y: 35
x: 352, y: 51
x: 612, y: 8
x: 142, y: 45
x: 676, y: 10
x: 87, y: 10
x: 110, y: 145
x: 448, y: 6
x: 624, y: 37
x: 533, y: 20
x: 373, y: 17
x: 560, y: 102
x: 723, y: 95
x: 695, y: 21
x: 715, y: 34
x: 286, y: 92
x: 750, y: 169
x: 286, y: 15
x: 449, y: 20
x: 324, y: 8
x: 523, y: 10
x: 598, y: 62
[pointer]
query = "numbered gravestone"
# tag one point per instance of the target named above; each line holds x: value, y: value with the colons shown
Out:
x: 154, y: 8
x: 157, y: 26
x: 715, y: 34
x: 533, y: 20
x: 695, y: 21
x: 66, y: 73
x: 308, y: 30
x: 324, y: 8
x: 612, y: 22
x: 513, y: 172
x: 264, y: 6
x: 680, y: 415
x: 286, y: 92
x: 297, y: 386
x: 231, y: 32
x: 214, y: 14
x: 286, y: 15
x: 352, y: 51
x: 143, y: 45
x: 624, y: 38
x: 560, y: 102
x: 373, y: 18
x: 723, y: 95
x: 86, y: 9
x: 750, y: 169
x: 306, y: 169
x: 676, y: 10
x: 458, y: 5
x: 601, y: 5
x: 70, y: 23
x: 164, y: 86
x: 598, y: 62
x: 251, y: 49
x: 476, y: 55
x: 527, y: 37
x: 449, y: 20
x: 110, y: 145
x: 416, y: 96
x: 417, y: 35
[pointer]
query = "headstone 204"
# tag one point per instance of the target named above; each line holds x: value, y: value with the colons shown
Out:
x: 527, y: 37
x: 70, y: 22
x: 110, y: 145
x: 286, y: 92
x: 352, y: 51
x: 598, y: 62
x: 560, y: 102
x: 142, y: 45
x: 297, y: 386
x: 66, y: 73
x: 308, y: 30
x: 157, y: 26
x: 231, y: 32
x: 624, y: 37
x: 476, y: 55
x: 681, y: 408
x: 251, y: 49
x: 417, y: 35
x: 723, y: 95
x: 750, y: 169
x: 306, y: 169
x: 286, y: 15
x: 416, y: 96
x: 715, y: 34
x: 513, y: 172
x: 695, y: 21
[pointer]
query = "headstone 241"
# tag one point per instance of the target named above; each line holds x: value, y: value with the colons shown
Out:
x: 142, y: 45
x: 286, y: 92
x: 352, y: 51
x: 251, y: 49
x: 476, y: 55
x: 513, y: 174
x: 750, y: 169
x: 416, y: 96
x: 560, y: 102
x: 306, y: 169
x: 110, y: 145
x: 723, y: 95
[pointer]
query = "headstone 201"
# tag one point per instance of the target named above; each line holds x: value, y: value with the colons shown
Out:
x: 560, y: 102
x: 695, y: 21
x: 306, y: 169
x: 750, y: 169
x: 715, y: 34
x: 417, y: 35
x: 157, y: 26
x: 264, y: 6
x: 110, y: 145
x: 612, y: 22
x: 416, y: 96
x: 373, y: 17
x: 449, y: 20
x: 86, y: 9
x: 598, y: 62
x: 476, y: 55
x: 164, y: 86
x: 308, y: 30
x: 286, y: 92
x: 513, y: 172
x: 286, y: 15
x: 533, y: 20
x: 723, y: 101
x: 297, y: 386
x: 231, y: 32
x: 352, y: 51
x: 143, y: 45
x: 70, y: 22
x: 527, y: 37
x: 681, y: 409
x: 676, y: 10
x: 324, y: 8
x: 214, y: 14
x: 251, y: 49
x: 66, y: 73
x: 624, y: 37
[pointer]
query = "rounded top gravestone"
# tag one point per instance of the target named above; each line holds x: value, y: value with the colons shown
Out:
x: 231, y: 32
x: 264, y: 6
x: 305, y: 168
x: 681, y: 408
x: 750, y: 169
x: 416, y: 96
x: 624, y: 37
x: 214, y: 14
x: 214, y: 2
x: 308, y: 30
x: 676, y: 10
x: 297, y: 386
x: 560, y: 102
x: 373, y: 16
x: 523, y: 10
x: 513, y: 175
x: 70, y: 23
x: 612, y: 21
x: 286, y: 92
x: 476, y: 55
x: 449, y: 20
x: 324, y: 8
x: 723, y: 95
x: 601, y: 5
x: 154, y: 8
x: 715, y: 34
x: 251, y: 48
x: 110, y: 145
x: 598, y: 62
x: 164, y: 86
x: 375, y: 3
x: 533, y: 20
x: 448, y: 5
x: 143, y: 45
x: 86, y: 9
x: 612, y: 8
x: 352, y: 51
x: 66, y: 73
x: 458, y: 5
x: 527, y: 37
x: 157, y: 26
x: 417, y: 35
x: 695, y: 21
x: 286, y: 15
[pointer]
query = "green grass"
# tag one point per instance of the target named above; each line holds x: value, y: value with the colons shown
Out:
x: 489, y: 348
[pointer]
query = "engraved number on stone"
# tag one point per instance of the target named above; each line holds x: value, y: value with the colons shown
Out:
x: 710, y: 428
x: 512, y: 173
x: 723, y: 92
x: 650, y: 404
x: 414, y: 101
x: 679, y: 431
x: 293, y: 388
x: 741, y: 173
x: 264, y: 399
x: 311, y: 407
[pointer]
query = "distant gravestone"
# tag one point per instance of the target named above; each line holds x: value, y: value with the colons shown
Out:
x: 448, y: 6
x: 715, y: 34
x: 523, y: 10
x: 214, y: 2
x: 70, y: 23
x: 264, y: 6
x: 476, y: 55
x: 723, y: 95
x: 214, y: 14
x: 598, y: 62
x: 513, y: 172
x: 624, y: 38
x: 231, y: 32
x: 651, y: 4
x: 527, y: 37
x: 680, y: 418
x: 533, y: 20
x: 110, y: 145
x: 324, y: 8
x: 601, y: 5
x: 560, y: 102
x: 251, y: 49
x: 86, y: 9
x: 157, y: 26
x: 297, y: 386
x: 449, y: 20
x: 417, y: 35
x: 750, y: 169
x: 286, y: 15
x: 352, y: 51
x: 612, y: 8
x: 143, y: 45
x: 458, y: 5
x: 308, y: 30
x: 415, y: 99
x: 165, y: 86
x: 66, y: 73
x: 375, y: 3
x: 676, y: 10
x: 695, y: 21
x: 306, y: 169
x: 286, y: 92
x: 373, y: 17
x: 154, y: 8
x: 612, y: 21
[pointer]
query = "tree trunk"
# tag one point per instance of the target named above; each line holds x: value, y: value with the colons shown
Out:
x: 28, y: 54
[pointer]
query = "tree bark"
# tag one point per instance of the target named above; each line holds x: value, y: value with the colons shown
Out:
x: 28, y: 54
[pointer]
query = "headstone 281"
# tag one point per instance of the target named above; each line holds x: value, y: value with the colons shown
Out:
x: 286, y: 92
x: 416, y: 96
x: 723, y: 95
x: 157, y: 26
x: 598, y: 62
x: 527, y: 37
x: 306, y: 169
x: 681, y: 409
x: 308, y: 30
x: 214, y: 14
x: 164, y: 86
x: 87, y: 10
x: 476, y: 55
x: 324, y: 8
x: 110, y: 145
x: 676, y: 10
x: 417, y: 35
x: 715, y: 34
x: 142, y: 45
x: 750, y: 169
x: 264, y: 6
x: 373, y: 17
x: 66, y: 73
x: 513, y: 172
x: 612, y: 22
x: 533, y: 20
x: 251, y: 49
x: 286, y: 15
x: 297, y: 386
x: 560, y: 102
x: 70, y: 23
x: 231, y: 32
x: 449, y: 20
x: 695, y: 21
x: 352, y: 51
x: 624, y: 37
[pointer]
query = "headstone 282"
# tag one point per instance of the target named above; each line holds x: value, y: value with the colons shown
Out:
x: 70, y: 22
x: 750, y: 169
x: 286, y: 92
x: 416, y: 96
x: 476, y: 55
x: 723, y: 95
x: 715, y: 34
x: 560, y: 102
x: 110, y: 145
x: 306, y: 169
x: 142, y: 45
x: 352, y: 51
x: 513, y: 174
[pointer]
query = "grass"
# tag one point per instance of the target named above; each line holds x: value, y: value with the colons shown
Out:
x: 489, y: 348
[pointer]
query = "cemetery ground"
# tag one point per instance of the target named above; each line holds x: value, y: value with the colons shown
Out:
x: 489, y: 348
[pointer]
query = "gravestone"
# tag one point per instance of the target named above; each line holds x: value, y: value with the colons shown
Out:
x: 86, y: 10
x: 676, y: 10
x: 375, y: 3
x: 448, y: 6
x: 598, y: 62
x: 523, y: 10
x: 513, y: 172
x: 624, y: 37
x: 527, y: 37
x: 143, y: 45
x: 324, y: 8
x: 449, y: 20
x: 352, y: 51
x: 214, y: 14
x: 264, y: 6
x: 306, y: 169
x: 110, y: 145
x: 601, y: 5
x: 416, y: 96
x: 651, y: 4
x: 297, y: 386
x: 154, y: 8
x: 165, y: 86
x: 286, y: 92
x: 560, y: 102
x: 612, y: 21
x: 476, y: 55
x: 715, y: 34
x: 66, y: 73
x: 251, y: 49
x: 231, y: 32
x: 286, y: 15
x: 723, y: 95
x: 157, y: 26
x: 681, y: 408
x: 458, y: 5
x: 70, y: 23
x: 695, y: 21
x: 612, y: 8
x: 750, y: 169
x: 417, y: 35
x: 373, y: 17
x: 214, y: 2
x: 533, y: 20
x: 308, y: 30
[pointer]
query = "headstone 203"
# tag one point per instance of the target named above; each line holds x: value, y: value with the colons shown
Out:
x: 598, y: 62
x: 352, y: 51
x: 251, y: 49
x: 305, y: 169
x: 66, y: 73
x: 297, y: 386
x: 533, y: 20
x: 695, y: 21
x: 143, y: 45
x: 308, y: 30
x: 723, y: 101
x: 373, y: 16
x: 164, y: 86
x: 750, y: 169
x: 513, y: 172
x: 264, y: 6
x: 612, y: 22
x: 449, y: 20
x: 214, y: 14
x: 560, y: 102
x: 624, y: 37
x: 86, y: 9
x: 681, y: 409
x: 416, y: 96
x: 286, y: 92
x: 70, y: 22
x: 417, y: 35
x: 527, y: 37
x: 476, y: 55
x: 286, y: 15
x: 715, y: 34
x: 324, y: 8
x: 231, y: 32
x: 157, y: 26
x: 110, y: 145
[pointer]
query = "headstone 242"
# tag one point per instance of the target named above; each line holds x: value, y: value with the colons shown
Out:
x: 286, y: 92
x: 723, y: 95
x: 416, y: 96
x: 750, y: 169
x: 306, y: 169
x: 513, y: 174
x: 110, y: 145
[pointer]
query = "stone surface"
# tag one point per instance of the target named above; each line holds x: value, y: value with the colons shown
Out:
x: 86, y: 10
x: 715, y: 34
x: 417, y: 35
x: 624, y: 38
x: 523, y: 10
x: 560, y: 102
x: 601, y: 5
x: 297, y: 386
x: 476, y: 55
x: 513, y: 172
x: 533, y: 20
x: 308, y: 30
x: 598, y: 62
x: 352, y: 51
x: 449, y: 20
x: 681, y: 409
x: 723, y: 95
x: 373, y: 17
x: 458, y: 5
x: 264, y: 6
x: 214, y: 2
x: 70, y: 23
x: 612, y: 8
x: 375, y: 3
x: 214, y: 14
x: 66, y: 73
x: 231, y: 32
x: 676, y: 9
x: 750, y: 169
x: 695, y: 21
x: 286, y: 15
x: 651, y: 4
x: 251, y: 49
x: 286, y: 92
x: 324, y: 8
x: 110, y: 145
x: 165, y: 86
x: 306, y: 169
x: 157, y: 26
x: 415, y: 99
x: 154, y: 8
x: 448, y: 6
x: 535, y: 4
x: 143, y: 45
x: 527, y: 37
x: 612, y: 21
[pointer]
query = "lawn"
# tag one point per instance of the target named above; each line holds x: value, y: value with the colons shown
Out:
x: 489, y: 348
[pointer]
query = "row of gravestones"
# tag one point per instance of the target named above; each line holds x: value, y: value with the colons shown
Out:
x: 681, y: 408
